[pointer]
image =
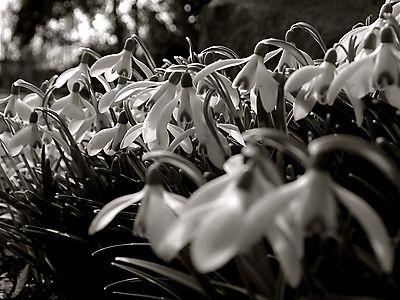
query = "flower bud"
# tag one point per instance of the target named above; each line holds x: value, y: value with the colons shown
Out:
x: 123, y: 119
x: 122, y: 80
x: 129, y: 45
x: 186, y: 80
x: 330, y: 56
x: 174, y: 78
x: 246, y: 179
x: 261, y: 49
x: 33, y: 118
x: 85, y: 58
x: 75, y: 87
x: 370, y: 41
x: 387, y: 8
x: 289, y: 36
x: 154, y: 175
x: 387, y: 35
x: 14, y: 89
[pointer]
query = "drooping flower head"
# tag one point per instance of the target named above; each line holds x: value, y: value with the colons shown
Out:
x: 158, y: 210
x: 78, y: 74
x: 109, y: 139
x: 287, y: 214
x: 73, y: 106
x: 311, y: 84
x: 255, y: 77
x: 212, y: 221
x: 115, y: 65
x: 191, y: 110
x: 378, y: 70
x: 107, y: 100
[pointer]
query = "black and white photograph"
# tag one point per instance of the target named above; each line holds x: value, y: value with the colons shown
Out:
x: 200, y: 149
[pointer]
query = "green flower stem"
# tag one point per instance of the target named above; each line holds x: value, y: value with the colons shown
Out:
x: 211, y: 122
x: 312, y: 32
x: 178, y: 161
x: 147, y: 54
x: 192, y: 55
x: 129, y: 113
x: 322, y: 147
x: 90, y: 51
x: 225, y: 51
x: 228, y: 101
x: 29, y: 86
x: 279, y: 140
x: 281, y: 103
x: 287, y: 46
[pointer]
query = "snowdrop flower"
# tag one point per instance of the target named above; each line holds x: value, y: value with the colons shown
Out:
x: 117, y: 64
x: 258, y: 79
x: 285, y: 215
x: 191, y: 110
x: 163, y: 128
x: 160, y: 101
x: 31, y: 136
x: 361, y: 32
x: 107, y: 100
x: 313, y: 82
x: 78, y: 74
x: 287, y: 60
x: 109, y: 139
x: 379, y: 70
x: 158, y: 210
x: 72, y: 105
x: 356, y: 84
x: 14, y: 106
x: 212, y: 221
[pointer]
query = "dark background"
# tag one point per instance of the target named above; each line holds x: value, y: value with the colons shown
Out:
x: 40, y: 38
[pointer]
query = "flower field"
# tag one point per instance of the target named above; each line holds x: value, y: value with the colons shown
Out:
x: 212, y: 176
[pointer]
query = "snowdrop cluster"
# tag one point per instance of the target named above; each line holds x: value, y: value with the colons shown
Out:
x: 202, y: 117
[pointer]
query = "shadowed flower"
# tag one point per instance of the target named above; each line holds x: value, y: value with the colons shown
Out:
x: 163, y: 103
x: 379, y: 70
x: 256, y: 78
x: 287, y: 59
x: 164, y: 128
x: 191, y: 110
x: 13, y: 105
x: 79, y: 74
x: 356, y: 84
x: 117, y: 64
x: 158, y: 210
x: 213, y: 219
x: 285, y: 215
x: 72, y: 106
x: 313, y: 82
x: 361, y: 32
x: 107, y: 100
x: 31, y: 136
x: 109, y: 139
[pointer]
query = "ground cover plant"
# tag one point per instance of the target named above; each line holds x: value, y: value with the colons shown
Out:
x: 273, y: 176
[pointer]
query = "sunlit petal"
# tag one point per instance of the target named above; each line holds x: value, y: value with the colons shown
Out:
x: 131, y: 135
x: 19, y: 140
x: 302, y: 76
x: 100, y: 140
x: 111, y: 209
x: 218, y: 237
x: 100, y: 66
